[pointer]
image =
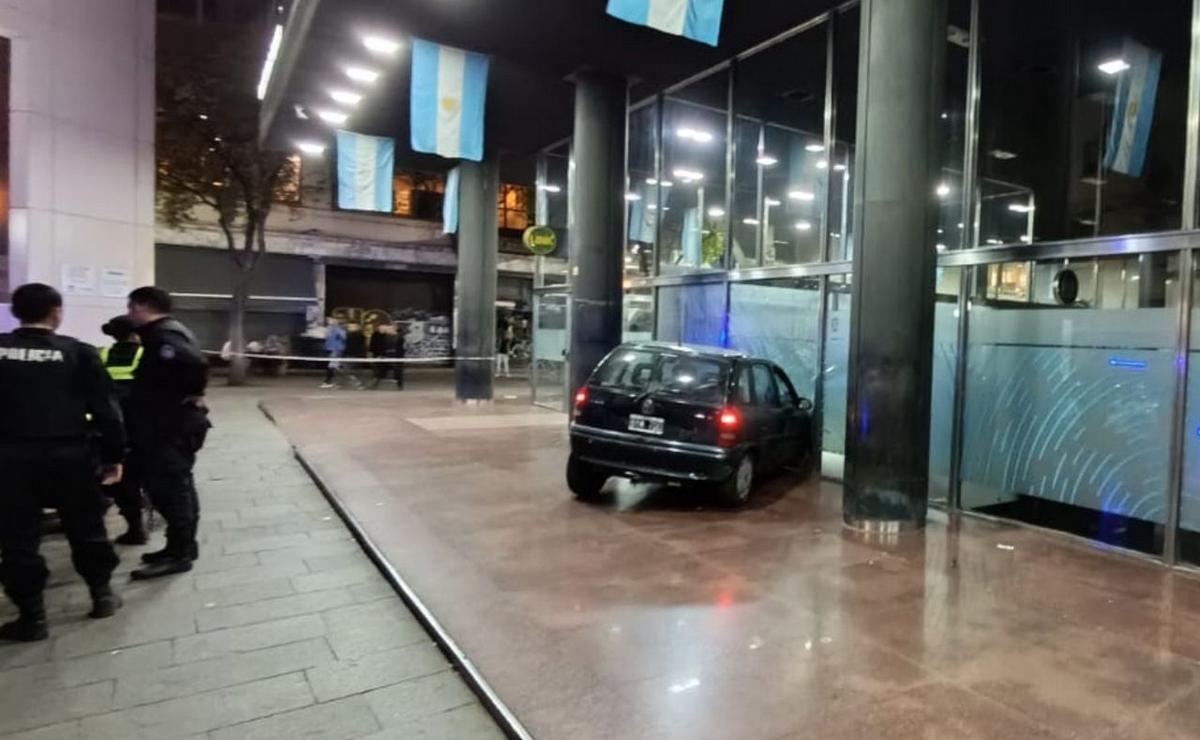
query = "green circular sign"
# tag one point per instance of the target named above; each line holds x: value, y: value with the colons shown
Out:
x: 541, y: 240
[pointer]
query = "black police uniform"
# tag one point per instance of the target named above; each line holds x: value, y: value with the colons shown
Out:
x: 121, y: 361
x: 50, y: 386
x: 168, y: 423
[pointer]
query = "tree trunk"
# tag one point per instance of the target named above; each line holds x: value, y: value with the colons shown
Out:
x: 238, y: 365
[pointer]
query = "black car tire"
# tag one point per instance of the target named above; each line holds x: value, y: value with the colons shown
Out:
x: 585, y: 481
x: 734, y: 491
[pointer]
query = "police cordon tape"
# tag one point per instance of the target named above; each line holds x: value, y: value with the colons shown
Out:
x: 353, y: 360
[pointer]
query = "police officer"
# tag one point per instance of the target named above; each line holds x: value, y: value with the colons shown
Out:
x: 50, y: 386
x: 121, y: 360
x: 168, y: 424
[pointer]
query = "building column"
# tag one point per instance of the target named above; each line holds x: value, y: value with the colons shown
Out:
x: 596, y: 221
x: 891, y: 338
x: 475, y: 286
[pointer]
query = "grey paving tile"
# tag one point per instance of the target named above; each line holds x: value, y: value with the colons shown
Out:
x: 245, y: 593
x: 376, y: 670
x: 149, y: 623
x: 324, y: 563
x: 200, y: 713
x: 27, y: 710
x: 258, y: 544
x: 254, y: 574
x: 420, y: 697
x: 338, y: 720
x: 362, y: 573
x: 245, y: 639
x: 269, y: 609
x: 216, y: 673
x: 468, y: 721
x: 85, y: 670
x: 367, y: 592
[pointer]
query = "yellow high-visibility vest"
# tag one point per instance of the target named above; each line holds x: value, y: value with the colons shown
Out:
x: 120, y: 373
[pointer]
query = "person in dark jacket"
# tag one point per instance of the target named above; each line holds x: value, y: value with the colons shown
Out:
x: 168, y: 421
x: 388, y: 344
x: 56, y: 398
x: 121, y: 359
x: 356, y: 349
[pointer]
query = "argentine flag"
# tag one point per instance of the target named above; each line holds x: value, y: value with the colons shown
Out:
x: 365, y: 167
x: 449, y: 87
x: 699, y: 20
x: 1133, y: 109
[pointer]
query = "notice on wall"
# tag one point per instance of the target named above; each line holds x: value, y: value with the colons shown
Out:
x: 115, y: 282
x: 78, y: 279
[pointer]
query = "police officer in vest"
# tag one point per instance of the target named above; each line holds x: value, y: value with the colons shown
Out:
x: 121, y: 360
x: 55, y: 398
x: 168, y: 422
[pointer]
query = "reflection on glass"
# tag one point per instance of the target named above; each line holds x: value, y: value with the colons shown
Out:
x: 778, y: 320
x: 637, y: 324
x: 842, y: 162
x: 941, y: 412
x: 692, y: 182
x: 1083, y: 112
x: 1069, y: 399
x: 641, y: 197
x: 692, y: 314
x: 835, y: 375
x: 549, y: 370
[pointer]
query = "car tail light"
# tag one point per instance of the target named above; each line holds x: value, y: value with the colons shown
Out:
x: 729, y: 423
x: 581, y: 399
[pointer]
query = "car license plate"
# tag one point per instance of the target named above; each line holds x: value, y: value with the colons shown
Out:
x: 645, y: 424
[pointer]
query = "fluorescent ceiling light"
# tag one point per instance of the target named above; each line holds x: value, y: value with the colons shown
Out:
x: 766, y: 160
x: 264, y: 80
x: 803, y: 225
x: 943, y: 190
x: 1002, y: 154
x: 1113, y: 66
x: 941, y: 247
x: 696, y: 135
x: 335, y: 117
x: 839, y: 168
x: 345, y: 97
x: 802, y: 195
x: 815, y: 148
x: 687, y: 175
x: 381, y: 45
x: 311, y: 147
x: 652, y: 207
x: 362, y: 74
x: 667, y: 184
x: 632, y: 197
x: 203, y: 116
x: 651, y: 181
x: 750, y: 221
x: 994, y: 242
x: 822, y: 164
x: 771, y: 202
x: 300, y: 112
x: 550, y: 188
x: 1020, y: 207
x: 716, y: 212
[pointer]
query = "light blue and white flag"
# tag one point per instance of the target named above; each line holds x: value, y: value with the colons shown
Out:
x: 365, y: 167
x: 449, y: 88
x: 450, y: 202
x: 1133, y: 109
x: 699, y: 20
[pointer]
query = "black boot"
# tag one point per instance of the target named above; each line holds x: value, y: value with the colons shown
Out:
x: 164, y: 567
x: 30, y: 626
x: 167, y: 553
x: 105, y: 602
x: 135, y: 534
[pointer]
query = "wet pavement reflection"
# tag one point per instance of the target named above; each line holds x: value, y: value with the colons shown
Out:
x: 653, y: 616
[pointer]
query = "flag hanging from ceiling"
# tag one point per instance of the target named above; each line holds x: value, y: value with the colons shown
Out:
x: 450, y: 203
x: 1133, y: 109
x: 699, y: 20
x: 449, y: 87
x: 365, y: 167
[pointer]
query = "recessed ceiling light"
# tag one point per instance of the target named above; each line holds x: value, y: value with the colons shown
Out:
x: 381, y: 45
x: 839, y: 168
x: 362, y: 74
x: 687, y: 175
x: 814, y: 148
x: 822, y: 164
x: 771, y: 202
x: 802, y: 195
x: 1002, y: 154
x: 345, y: 97
x: 803, y: 225
x: 1020, y: 207
x: 549, y: 188
x: 632, y: 197
x: 311, y: 147
x: 943, y: 190
x: 332, y: 116
x: 766, y: 160
x: 716, y: 212
x: 1113, y: 66
x: 750, y: 221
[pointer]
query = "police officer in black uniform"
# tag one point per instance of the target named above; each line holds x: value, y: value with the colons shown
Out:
x: 168, y: 422
x: 55, y: 397
x: 121, y: 359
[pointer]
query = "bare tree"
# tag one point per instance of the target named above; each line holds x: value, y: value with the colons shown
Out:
x: 208, y: 152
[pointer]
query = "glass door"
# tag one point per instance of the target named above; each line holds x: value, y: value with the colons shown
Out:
x: 549, y: 374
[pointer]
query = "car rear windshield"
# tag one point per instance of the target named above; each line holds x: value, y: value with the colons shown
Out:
x: 638, y: 371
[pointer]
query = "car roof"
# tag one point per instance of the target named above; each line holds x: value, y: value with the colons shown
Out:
x: 698, y: 350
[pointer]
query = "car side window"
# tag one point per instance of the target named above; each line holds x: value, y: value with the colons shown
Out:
x: 765, y: 387
x: 785, y: 389
x: 742, y: 394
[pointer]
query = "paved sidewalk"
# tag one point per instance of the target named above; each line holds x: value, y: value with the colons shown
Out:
x: 284, y: 629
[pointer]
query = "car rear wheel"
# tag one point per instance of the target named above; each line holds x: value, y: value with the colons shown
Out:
x: 734, y: 491
x: 585, y: 481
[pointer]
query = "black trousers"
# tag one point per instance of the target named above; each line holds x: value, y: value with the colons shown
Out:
x: 128, y: 493
x: 60, y: 476
x: 165, y: 448
x: 395, y: 368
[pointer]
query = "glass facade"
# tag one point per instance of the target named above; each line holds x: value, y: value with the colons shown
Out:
x: 1066, y: 208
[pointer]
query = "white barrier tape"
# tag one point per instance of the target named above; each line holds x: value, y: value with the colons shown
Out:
x: 352, y: 360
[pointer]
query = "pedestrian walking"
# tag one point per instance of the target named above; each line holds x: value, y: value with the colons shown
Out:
x: 387, y: 345
x: 169, y: 422
x: 335, y: 347
x: 56, y: 400
x: 121, y: 359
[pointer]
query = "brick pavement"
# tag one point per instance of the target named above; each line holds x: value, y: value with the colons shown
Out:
x: 285, y: 627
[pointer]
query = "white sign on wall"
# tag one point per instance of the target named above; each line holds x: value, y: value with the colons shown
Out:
x: 78, y: 279
x: 115, y: 282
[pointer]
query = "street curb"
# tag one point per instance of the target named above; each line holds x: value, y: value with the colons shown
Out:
x: 495, y: 706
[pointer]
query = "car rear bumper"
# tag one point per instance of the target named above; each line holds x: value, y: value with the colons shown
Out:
x: 639, y: 456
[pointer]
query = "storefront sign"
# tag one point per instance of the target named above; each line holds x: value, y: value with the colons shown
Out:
x: 541, y: 240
